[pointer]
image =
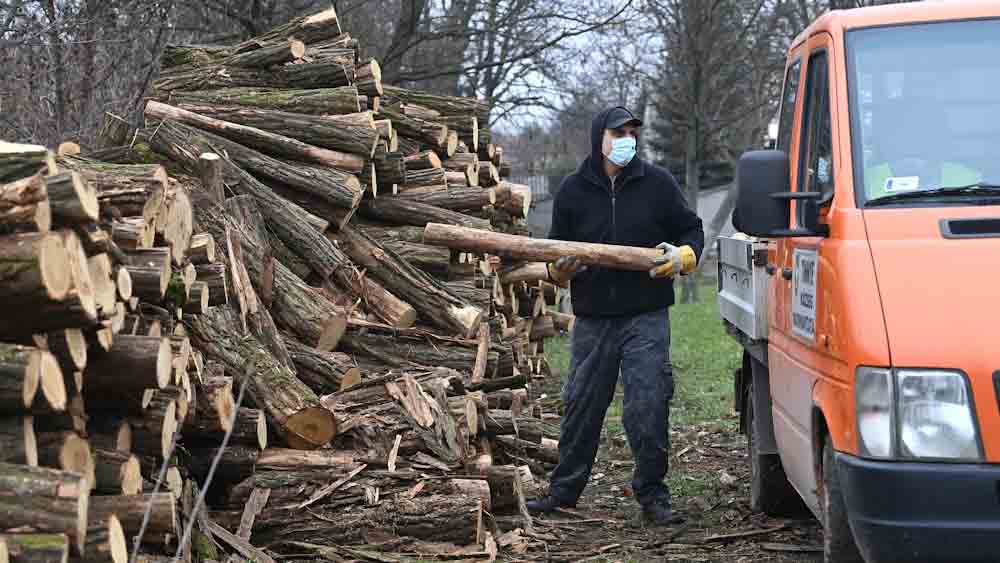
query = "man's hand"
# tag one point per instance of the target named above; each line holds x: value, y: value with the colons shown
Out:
x: 674, y: 260
x: 564, y: 269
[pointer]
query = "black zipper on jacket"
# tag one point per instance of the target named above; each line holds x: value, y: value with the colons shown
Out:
x: 614, y: 227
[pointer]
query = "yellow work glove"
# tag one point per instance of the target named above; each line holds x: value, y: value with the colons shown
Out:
x: 674, y: 260
x: 564, y: 269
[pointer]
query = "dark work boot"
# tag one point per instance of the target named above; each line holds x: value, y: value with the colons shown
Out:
x: 660, y: 514
x: 547, y: 503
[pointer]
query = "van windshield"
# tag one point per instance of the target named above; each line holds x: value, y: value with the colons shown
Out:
x: 925, y: 112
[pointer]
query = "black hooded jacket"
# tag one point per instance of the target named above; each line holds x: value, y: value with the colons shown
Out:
x: 645, y: 208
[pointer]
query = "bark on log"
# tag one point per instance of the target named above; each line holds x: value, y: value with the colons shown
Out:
x: 402, y: 212
x: 109, y: 434
x: 563, y: 322
x: 66, y: 451
x: 433, y: 134
x: 466, y: 126
x: 514, y: 198
x: 529, y: 272
x: 311, y: 28
x: 236, y: 463
x: 34, y: 268
x: 19, y: 161
x: 105, y: 542
x: 24, y: 205
x: 348, y: 136
x: 319, y: 101
x: 523, y: 248
x: 455, y: 199
x: 488, y: 174
x: 73, y: 201
x: 290, y: 404
x: 390, y: 167
x: 253, y: 137
x: 268, y: 55
x: 117, y: 473
x: 423, y: 178
x: 198, y: 300
x: 134, y: 189
x: 162, y: 527
x: 546, y: 452
x: 428, y: 415
x: 249, y: 429
x: 503, y: 423
x: 323, y: 372
x: 422, y: 161
x: 377, y: 299
x: 432, y: 301
x: 37, y: 548
x: 214, y: 276
x: 368, y: 78
x: 132, y: 232
x: 17, y: 440
x: 21, y: 371
x: 324, y: 73
x: 405, y: 241
x: 153, y: 432
x: 202, y: 249
x: 149, y: 269
x: 445, y: 105
x: 133, y: 364
x: 214, y: 396
x: 287, y: 459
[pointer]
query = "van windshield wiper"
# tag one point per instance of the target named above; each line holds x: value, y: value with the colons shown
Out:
x: 980, y: 188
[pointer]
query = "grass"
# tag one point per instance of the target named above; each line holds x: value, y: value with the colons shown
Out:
x: 703, y: 357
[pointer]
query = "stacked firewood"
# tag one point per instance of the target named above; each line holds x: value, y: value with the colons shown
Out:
x: 283, y: 261
x: 98, y: 264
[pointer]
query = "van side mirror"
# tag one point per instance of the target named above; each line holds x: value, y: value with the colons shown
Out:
x: 763, y: 202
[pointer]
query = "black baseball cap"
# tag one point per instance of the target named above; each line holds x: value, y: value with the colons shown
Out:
x: 620, y: 116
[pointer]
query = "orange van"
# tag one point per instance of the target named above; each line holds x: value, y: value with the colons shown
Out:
x: 864, y: 285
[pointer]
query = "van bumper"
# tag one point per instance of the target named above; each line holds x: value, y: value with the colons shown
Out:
x: 926, y: 512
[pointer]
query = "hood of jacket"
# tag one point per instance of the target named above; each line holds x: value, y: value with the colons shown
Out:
x: 592, y: 167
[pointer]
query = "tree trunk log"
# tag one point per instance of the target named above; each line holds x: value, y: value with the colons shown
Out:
x: 368, y: 78
x: 162, y: 528
x: 105, y: 542
x: 22, y: 369
x: 514, y: 198
x: 422, y: 161
x: 290, y: 404
x: 202, y: 249
x: 24, y: 205
x: 134, y: 189
x: 73, y: 201
x: 435, y: 135
x: 488, y: 174
x: 198, y: 301
x: 402, y: 212
x: 20, y: 161
x: 66, y: 451
x: 37, y: 548
x: 433, y: 422
x: 542, y: 327
x: 214, y: 276
x: 133, y: 364
x: 17, y: 440
x: 445, y: 105
x: 424, y: 178
x: 149, y: 269
x: 249, y: 429
x: 319, y: 101
x: 153, y: 432
x: 117, y: 473
x: 432, y: 301
x: 389, y: 166
x: 236, y: 464
x: 256, y: 138
x: 455, y: 199
x: 214, y: 396
x: 133, y: 232
x: 269, y: 55
x: 323, y: 372
x: 504, y: 423
x: 312, y: 28
x: 34, y: 268
x: 326, y: 132
x: 523, y: 248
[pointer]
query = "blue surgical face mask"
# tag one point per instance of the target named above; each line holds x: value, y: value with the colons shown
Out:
x: 622, y: 151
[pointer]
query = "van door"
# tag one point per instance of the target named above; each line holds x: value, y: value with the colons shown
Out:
x: 795, y: 354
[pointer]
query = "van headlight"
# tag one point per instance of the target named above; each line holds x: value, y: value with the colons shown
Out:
x: 915, y: 414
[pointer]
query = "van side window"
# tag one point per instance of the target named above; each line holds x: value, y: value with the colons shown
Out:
x: 816, y: 149
x: 788, y: 106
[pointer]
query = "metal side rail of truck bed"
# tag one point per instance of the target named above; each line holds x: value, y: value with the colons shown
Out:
x: 743, y: 292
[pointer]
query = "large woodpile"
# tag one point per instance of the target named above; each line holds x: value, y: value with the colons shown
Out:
x: 263, y: 231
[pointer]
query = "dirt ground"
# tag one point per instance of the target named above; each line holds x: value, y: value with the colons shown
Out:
x: 709, y: 481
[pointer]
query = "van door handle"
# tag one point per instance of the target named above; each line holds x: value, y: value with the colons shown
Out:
x: 786, y: 273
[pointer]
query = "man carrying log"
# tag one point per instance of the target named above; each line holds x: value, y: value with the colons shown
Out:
x: 622, y: 325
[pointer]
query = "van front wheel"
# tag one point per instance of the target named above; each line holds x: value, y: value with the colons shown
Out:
x: 838, y: 542
x: 770, y: 491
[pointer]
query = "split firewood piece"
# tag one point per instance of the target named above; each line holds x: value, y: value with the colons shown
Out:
x: 482, y: 353
x: 409, y: 212
x: 249, y: 429
x: 106, y: 542
x: 19, y: 161
x: 66, y: 451
x: 198, y: 300
x: 162, y: 527
x: 73, y: 201
x: 36, y: 548
x: 174, y: 223
x: 323, y: 372
x: 17, y: 440
x: 117, y: 473
x: 153, y: 398
x: 291, y: 406
x: 131, y: 233
x: 432, y: 300
x: 314, y: 101
x: 35, y: 268
x: 311, y: 28
x: 24, y: 205
x: 524, y: 248
x: 134, y: 363
x: 429, y: 417
x: 202, y: 249
x: 132, y: 189
x: 338, y: 133
x: 214, y: 276
x: 23, y: 370
x: 377, y: 299
x: 214, y: 395
x: 149, y: 269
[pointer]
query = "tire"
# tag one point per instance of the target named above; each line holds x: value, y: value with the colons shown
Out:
x: 838, y: 541
x: 770, y: 491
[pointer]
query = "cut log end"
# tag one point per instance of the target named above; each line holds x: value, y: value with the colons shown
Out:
x: 297, y: 48
x: 332, y: 332
x: 32, y: 376
x: 50, y: 378
x: 310, y: 428
x: 164, y: 363
x: 470, y: 317
x: 117, y: 543
x: 262, y: 432
x: 54, y: 266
